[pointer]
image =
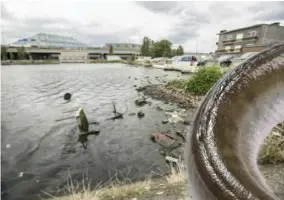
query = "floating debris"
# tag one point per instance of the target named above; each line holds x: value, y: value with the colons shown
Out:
x: 140, y: 114
x: 67, y: 96
x: 8, y: 146
x: 21, y: 174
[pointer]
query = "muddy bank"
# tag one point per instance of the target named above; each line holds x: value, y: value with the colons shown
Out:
x: 169, y: 95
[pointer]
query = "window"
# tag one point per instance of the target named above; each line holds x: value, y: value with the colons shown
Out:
x: 227, y: 48
x: 252, y: 33
x: 238, y: 48
x: 228, y: 37
x: 240, y: 36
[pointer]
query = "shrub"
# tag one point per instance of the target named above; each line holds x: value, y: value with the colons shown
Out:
x: 176, y: 84
x: 203, y: 80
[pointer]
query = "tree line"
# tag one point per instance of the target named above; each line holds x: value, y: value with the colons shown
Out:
x: 162, y: 48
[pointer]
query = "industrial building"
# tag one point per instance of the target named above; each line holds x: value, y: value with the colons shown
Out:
x: 253, y: 38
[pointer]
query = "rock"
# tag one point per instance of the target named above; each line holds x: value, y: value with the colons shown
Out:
x: 149, y: 103
x: 129, y: 77
x: 186, y: 122
x: 165, y: 121
x: 136, y: 78
x: 67, y: 96
x: 140, y: 89
x: 159, y: 108
x: 140, y: 102
x: 132, y: 114
x: 140, y: 114
x: 170, y: 110
x: 134, y: 85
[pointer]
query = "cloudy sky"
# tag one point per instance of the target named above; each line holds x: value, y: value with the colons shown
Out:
x: 191, y: 24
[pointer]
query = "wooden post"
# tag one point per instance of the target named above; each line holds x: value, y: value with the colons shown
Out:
x: 82, y: 121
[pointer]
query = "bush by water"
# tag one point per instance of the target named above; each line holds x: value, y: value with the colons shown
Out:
x: 203, y: 80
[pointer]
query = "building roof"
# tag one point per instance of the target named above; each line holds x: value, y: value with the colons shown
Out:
x: 49, y: 40
x: 256, y: 25
x: 252, y: 26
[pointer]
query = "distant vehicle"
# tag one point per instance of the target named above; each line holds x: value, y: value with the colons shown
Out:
x: 186, y: 58
x: 226, y: 60
x: 204, y: 60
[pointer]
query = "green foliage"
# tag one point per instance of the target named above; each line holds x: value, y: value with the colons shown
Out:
x: 11, y: 55
x: 133, y: 58
x: 21, y: 53
x: 3, y: 53
x: 111, y: 50
x: 203, y: 80
x: 180, y: 51
x: 162, y: 48
x: 146, y: 46
x: 176, y: 84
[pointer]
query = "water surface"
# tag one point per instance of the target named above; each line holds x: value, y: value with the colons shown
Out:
x: 46, y: 151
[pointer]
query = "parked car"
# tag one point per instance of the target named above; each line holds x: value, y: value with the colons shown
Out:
x: 205, y: 60
x: 225, y: 60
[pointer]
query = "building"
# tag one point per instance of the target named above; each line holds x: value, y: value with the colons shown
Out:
x: 249, y: 39
x: 43, y: 40
x: 124, y: 46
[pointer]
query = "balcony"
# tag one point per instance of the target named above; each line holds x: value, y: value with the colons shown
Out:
x: 245, y: 39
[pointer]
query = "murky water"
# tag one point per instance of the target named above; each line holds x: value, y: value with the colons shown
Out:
x: 38, y: 152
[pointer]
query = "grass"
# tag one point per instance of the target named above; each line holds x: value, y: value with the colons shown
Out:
x: 272, y: 150
x: 176, y: 84
x: 118, y: 190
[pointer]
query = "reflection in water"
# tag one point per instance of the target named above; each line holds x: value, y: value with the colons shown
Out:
x: 83, y: 138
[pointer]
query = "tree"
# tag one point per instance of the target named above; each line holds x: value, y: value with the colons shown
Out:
x: 146, y: 46
x: 21, y: 53
x: 3, y: 52
x: 111, y: 50
x: 174, y: 53
x: 11, y: 56
x: 180, y: 51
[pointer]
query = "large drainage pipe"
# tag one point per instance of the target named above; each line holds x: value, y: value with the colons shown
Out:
x: 229, y: 127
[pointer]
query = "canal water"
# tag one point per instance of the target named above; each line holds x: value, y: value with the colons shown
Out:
x: 40, y: 151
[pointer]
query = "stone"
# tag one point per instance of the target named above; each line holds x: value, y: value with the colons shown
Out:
x: 67, y: 96
x: 132, y: 114
x: 165, y: 121
x: 140, y: 102
x: 159, y: 108
x: 134, y: 85
x: 140, y: 114
x: 186, y: 122
x: 82, y: 121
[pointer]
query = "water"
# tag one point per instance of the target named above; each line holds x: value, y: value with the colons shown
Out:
x: 38, y: 152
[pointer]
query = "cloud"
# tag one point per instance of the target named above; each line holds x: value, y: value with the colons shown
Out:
x: 190, y: 24
x: 158, y: 6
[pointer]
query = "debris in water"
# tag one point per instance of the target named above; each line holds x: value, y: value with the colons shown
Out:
x: 8, y: 146
x: 140, y: 114
x: 21, y: 174
x: 67, y: 96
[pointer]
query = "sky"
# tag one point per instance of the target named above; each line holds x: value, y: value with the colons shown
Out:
x: 189, y: 23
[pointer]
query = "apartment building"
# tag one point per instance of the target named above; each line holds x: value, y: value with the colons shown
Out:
x: 249, y: 39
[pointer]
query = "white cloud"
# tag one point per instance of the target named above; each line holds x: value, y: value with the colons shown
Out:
x: 99, y: 22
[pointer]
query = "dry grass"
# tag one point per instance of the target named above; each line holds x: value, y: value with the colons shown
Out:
x: 272, y: 150
x: 118, y: 190
x: 177, y: 174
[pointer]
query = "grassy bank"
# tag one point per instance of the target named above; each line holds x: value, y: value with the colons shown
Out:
x: 170, y: 187
x: 29, y: 62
